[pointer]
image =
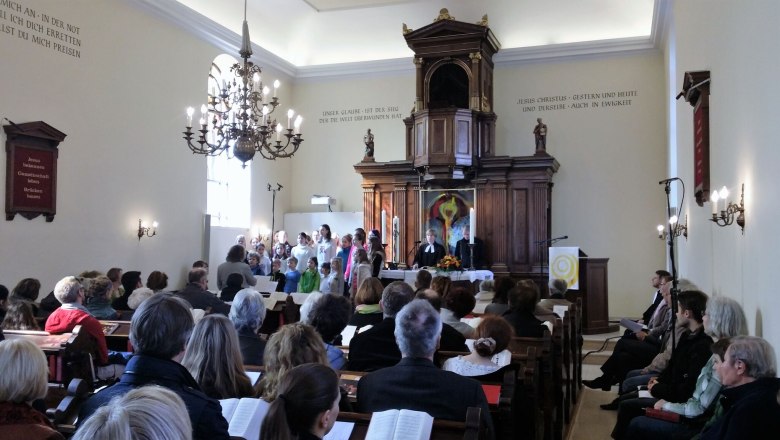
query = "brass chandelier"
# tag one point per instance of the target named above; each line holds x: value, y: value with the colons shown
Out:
x: 239, y: 113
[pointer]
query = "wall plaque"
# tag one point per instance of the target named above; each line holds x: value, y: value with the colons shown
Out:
x: 31, y: 170
x: 696, y: 90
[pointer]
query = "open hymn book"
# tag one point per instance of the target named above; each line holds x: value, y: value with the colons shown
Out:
x: 403, y: 424
x: 244, y: 416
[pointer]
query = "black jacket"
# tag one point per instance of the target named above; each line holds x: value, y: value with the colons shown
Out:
x: 202, y: 299
x: 252, y: 347
x: 423, y: 258
x: 463, y: 252
x: 205, y: 412
x: 678, y: 380
x: 750, y: 411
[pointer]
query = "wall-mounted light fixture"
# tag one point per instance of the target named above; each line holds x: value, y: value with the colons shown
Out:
x: 726, y: 216
x: 677, y: 228
x: 262, y: 233
x: 144, y: 229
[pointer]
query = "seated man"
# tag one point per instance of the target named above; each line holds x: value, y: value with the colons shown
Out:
x: 451, y: 339
x: 159, y: 332
x: 72, y: 312
x: 415, y: 383
x: 196, y: 294
x: 376, y: 348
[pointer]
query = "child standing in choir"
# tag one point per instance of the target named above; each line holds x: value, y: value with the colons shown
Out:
x: 310, y: 279
x: 277, y: 275
x: 329, y: 282
x: 302, y: 252
x: 292, y: 276
x: 325, y: 248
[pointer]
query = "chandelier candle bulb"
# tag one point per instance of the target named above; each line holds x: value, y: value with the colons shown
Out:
x: 298, y: 123
x: 276, y: 86
x: 472, y: 225
x: 278, y: 132
x: 714, y: 202
x: 724, y: 195
x: 190, y: 112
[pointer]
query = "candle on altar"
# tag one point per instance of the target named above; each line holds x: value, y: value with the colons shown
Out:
x: 383, y: 230
x: 472, y: 225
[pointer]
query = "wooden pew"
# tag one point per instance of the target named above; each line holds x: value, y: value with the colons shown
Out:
x: 117, y: 339
x: 470, y: 429
x: 69, y: 354
x: 65, y: 414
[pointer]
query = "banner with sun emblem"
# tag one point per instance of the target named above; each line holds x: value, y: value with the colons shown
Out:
x: 565, y: 264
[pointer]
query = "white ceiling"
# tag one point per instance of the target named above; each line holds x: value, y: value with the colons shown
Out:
x: 324, y: 32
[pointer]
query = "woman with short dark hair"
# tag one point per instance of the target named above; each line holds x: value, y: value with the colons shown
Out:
x: 234, y: 263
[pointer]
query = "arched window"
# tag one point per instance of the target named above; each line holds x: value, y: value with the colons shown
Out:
x: 228, y: 196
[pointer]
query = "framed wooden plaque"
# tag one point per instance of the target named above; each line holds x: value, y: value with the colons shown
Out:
x: 696, y: 89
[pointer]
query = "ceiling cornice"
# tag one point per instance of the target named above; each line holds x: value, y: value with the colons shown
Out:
x: 228, y: 41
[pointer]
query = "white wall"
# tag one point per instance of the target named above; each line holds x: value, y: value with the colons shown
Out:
x: 736, y: 42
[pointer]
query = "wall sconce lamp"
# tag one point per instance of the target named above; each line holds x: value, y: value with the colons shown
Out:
x: 677, y: 228
x: 730, y: 210
x: 263, y: 234
x: 148, y: 231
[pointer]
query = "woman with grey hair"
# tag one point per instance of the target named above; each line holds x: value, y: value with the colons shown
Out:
x: 248, y: 313
x: 723, y: 318
x: 150, y: 412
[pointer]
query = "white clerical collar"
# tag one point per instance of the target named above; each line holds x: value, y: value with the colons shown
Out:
x: 431, y: 249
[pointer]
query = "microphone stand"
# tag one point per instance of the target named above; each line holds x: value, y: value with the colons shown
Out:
x: 540, y: 243
x: 410, y: 253
x: 670, y: 243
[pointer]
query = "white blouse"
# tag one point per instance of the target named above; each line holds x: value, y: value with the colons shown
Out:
x: 465, y: 368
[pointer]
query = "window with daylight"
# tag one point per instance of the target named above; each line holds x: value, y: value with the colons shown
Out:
x: 228, y: 197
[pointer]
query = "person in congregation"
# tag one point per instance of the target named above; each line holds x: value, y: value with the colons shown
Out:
x: 451, y: 339
x: 422, y: 280
x: 131, y: 280
x: 723, y: 319
x: 376, y: 348
x: 463, y: 250
x: 302, y: 252
x: 138, y: 296
x: 308, y: 306
x: 3, y: 301
x: 26, y: 290
x: 292, y: 345
x: 678, y: 380
x: 98, y: 302
x: 500, y: 302
x: 490, y: 353
x: 415, y: 383
x: 196, y: 294
x: 157, y: 281
x: 456, y: 305
x: 429, y: 254
x: 150, y: 412
x: 72, y: 312
x: 748, y: 407
x: 522, y: 303
x: 329, y: 282
x: 442, y: 285
x: 310, y: 279
x: 292, y: 277
x: 233, y: 285
x: 367, y: 309
x: 307, y: 407
x: 213, y: 358
x: 24, y: 379
x: 159, y: 331
x: 234, y: 263
x: 329, y: 316
x: 248, y: 313
x: 558, y: 288
x: 19, y: 316
x: 200, y: 264
x: 278, y: 275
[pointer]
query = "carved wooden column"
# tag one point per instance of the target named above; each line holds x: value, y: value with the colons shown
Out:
x: 500, y: 222
x: 399, y: 210
x: 418, y: 100
x: 368, y: 204
x: 475, y: 101
x: 484, y: 211
x: 540, y: 210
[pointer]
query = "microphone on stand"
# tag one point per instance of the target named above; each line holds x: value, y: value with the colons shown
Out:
x: 417, y: 242
x: 668, y: 180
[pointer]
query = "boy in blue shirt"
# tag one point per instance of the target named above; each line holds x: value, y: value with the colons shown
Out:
x: 292, y: 276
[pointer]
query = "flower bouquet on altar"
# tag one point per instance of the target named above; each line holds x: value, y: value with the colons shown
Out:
x: 448, y: 263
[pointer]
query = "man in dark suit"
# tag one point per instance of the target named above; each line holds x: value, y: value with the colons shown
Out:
x: 657, y: 296
x: 415, y: 383
x: 463, y: 252
x: 196, y: 294
x: 430, y: 252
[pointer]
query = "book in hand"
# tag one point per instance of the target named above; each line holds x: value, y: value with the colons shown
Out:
x: 244, y: 416
x: 403, y: 424
x: 632, y: 325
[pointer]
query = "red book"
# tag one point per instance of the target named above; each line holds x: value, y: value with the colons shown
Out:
x: 492, y: 393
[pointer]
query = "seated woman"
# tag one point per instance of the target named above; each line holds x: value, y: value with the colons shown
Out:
x: 26, y: 290
x: 19, y: 316
x: 522, y: 302
x: 500, y: 300
x: 213, y: 358
x: 441, y: 285
x: 307, y: 407
x: 329, y: 316
x: 292, y: 345
x: 232, y: 286
x: 456, y: 305
x: 98, y: 301
x: 490, y: 352
x: 367, y: 310
x: 157, y: 281
x: 248, y: 313
x: 72, y: 312
x: 138, y: 296
x: 24, y: 379
x: 149, y: 412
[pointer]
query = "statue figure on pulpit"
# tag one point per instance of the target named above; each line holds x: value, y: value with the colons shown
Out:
x: 540, y: 134
x: 368, y: 139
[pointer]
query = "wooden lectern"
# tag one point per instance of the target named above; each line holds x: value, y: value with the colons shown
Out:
x: 594, y: 294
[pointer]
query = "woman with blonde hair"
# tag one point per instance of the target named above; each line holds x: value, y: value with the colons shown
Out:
x: 24, y: 379
x: 292, y: 345
x: 213, y: 357
x: 367, y: 310
x: 149, y: 413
